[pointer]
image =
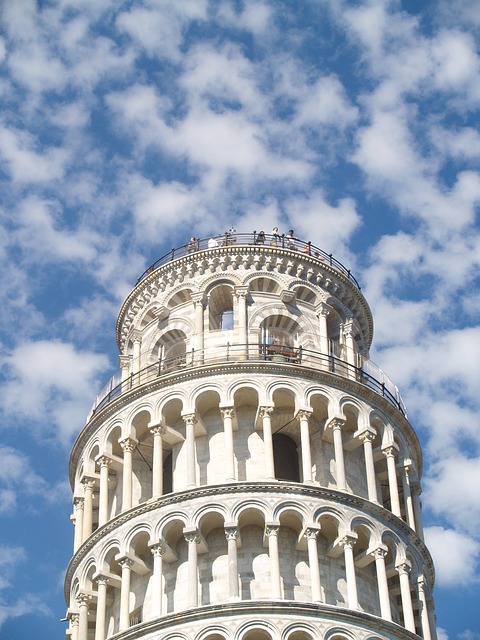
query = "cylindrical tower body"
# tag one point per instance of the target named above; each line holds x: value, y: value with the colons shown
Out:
x: 253, y: 475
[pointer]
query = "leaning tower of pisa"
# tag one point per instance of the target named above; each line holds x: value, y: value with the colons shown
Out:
x: 250, y: 474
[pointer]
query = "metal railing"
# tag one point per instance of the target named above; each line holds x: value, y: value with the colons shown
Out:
x: 257, y: 239
x: 374, y: 378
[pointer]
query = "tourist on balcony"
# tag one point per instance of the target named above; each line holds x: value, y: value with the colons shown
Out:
x: 212, y: 243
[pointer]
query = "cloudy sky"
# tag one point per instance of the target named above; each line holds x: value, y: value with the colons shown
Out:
x: 126, y: 125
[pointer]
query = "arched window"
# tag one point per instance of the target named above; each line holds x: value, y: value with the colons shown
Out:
x: 285, y: 458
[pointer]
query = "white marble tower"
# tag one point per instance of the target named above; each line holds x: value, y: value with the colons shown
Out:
x: 252, y: 475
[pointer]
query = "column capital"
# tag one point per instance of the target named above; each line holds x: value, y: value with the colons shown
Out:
x: 83, y: 598
x: 74, y: 619
x: 124, y: 561
x: 335, y: 423
x: 157, y: 548
x: 124, y: 361
x: 197, y: 297
x: 322, y: 309
x: 190, y: 418
x: 227, y: 412
x: 348, y: 540
x: 241, y: 291
x: 312, y: 531
x: 231, y: 532
x: 192, y: 536
x: 137, y: 337
x: 265, y: 411
x: 79, y: 502
x: 303, y: 414
x: 271, y: 528
x: 158, y: 429
x: 101, y: 579
x: 403, y: 567
x: 103, y: 460
x: 88, y: 482
x: 380, y: 552
x: 367, y: 435
x: 390, y: 451
x: 128, y: 444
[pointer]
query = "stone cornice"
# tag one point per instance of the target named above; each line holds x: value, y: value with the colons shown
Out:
x: 318, y: 614
x: 275, y: 488
x: 248, y: 368
x: 263, y: 258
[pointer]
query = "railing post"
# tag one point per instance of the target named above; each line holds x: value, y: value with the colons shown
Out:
x: 193, y: 356
x: 330, y: 258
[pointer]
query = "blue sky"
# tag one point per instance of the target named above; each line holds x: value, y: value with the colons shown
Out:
x: 126, y: 126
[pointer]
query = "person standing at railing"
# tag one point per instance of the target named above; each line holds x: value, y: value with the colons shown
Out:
x: 192, y: 245
x: 212, y: 243
x: 291, y: 240
x: 260, y: 239
x: 275, y: 237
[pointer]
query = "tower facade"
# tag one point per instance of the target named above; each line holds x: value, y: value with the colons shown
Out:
x: 251, y: 475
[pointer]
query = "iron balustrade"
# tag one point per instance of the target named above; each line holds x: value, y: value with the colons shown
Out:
x: 251, y: 239
x: 375, y: 378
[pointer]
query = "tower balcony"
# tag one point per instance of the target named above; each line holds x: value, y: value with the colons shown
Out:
x: 267, y: 357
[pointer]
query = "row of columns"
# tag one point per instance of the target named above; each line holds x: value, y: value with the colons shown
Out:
x: 193, y: 537
x: 84, y: 506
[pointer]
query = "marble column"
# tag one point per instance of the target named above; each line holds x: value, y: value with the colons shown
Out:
x: 336, y: 425
x: 193, y: 538
x: 126, y: 565
x: 271, y: 530
x: 104, y: 463
x: 389, y: 453
x: 403, y: 570
x: 311, y: 534
x: 88, y: 486
x: 367, y: 438
x: 158, y: 550
x: 231, y: 534
x: 350, y: 346
x: 137, y: 344
x: 197, y: 299
x: 83, y: 599
x: 347, y: 543
x: 190, y: 421
x: 303, y: 417
x: 417, y: 508
x: 78, y: 535
x: 241, y: 295
x: 102, y: 582
x: 128, y: 445
x: 322, y: 313
x: 227, y: 416
x: 74, y: 623
x: 423, y: 606
x: 407, y: 496
x: 265, y: 413
x: 157, y: 465
x: 382, y: 583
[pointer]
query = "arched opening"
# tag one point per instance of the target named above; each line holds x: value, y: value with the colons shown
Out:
x: 168, y: 473
x: 285, y: 458
x: 172, y: 350
x: 220, y: 306
x: 279, y: 339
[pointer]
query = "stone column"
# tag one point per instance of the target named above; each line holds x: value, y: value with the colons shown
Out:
x: 383, y: 595
x: 350, y: 346
x: 347, y: 543
x: 404, y: 569
x: 265, y: 413
x: 367, y: 438
x: 124, y: 362
x: 303, y: 417
x: 157, y: 465
x: 157, y: 549
x: 101, y: 607
x: 126, y: 565
x: 423, y: 606
x: 389, y: 453
x: 137, y: 344
x: 78, y: 535
x: 311, y: 534
x: 74, y: 622
x: 241, y: 294
x: 407, y: 495
x: 271, y: 530
x: 88, y: 485
x: 104, y: 463
x: 322, y: 313
x: 193, y: 538
x: 227, y: 416
x: 336, y: 426
x: 128, y: 445
x: 417, y: 509
x: 190, y: 421
x: 83, y: 600
x: 231, y: 534
x: 197, y: 299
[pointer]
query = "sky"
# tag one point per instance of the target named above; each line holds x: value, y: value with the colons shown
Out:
x: 128, y: 126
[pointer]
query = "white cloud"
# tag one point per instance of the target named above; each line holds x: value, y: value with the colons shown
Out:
x: 51, y: 383
x: 458, y: 566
